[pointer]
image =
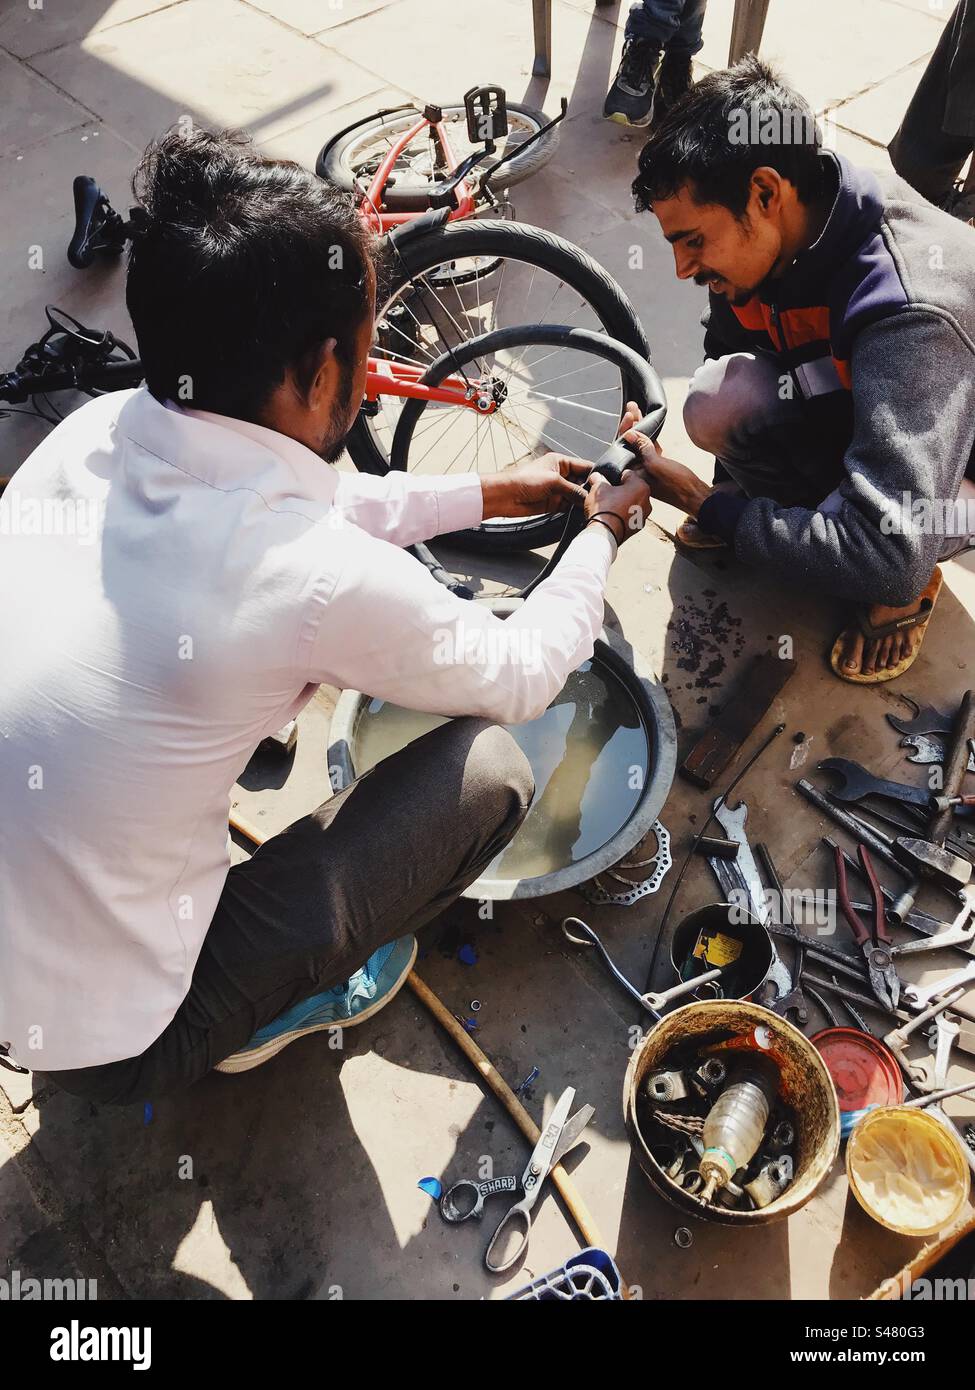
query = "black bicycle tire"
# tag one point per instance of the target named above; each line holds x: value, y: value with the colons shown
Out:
x: 517, y: 336
x: 330, y: 166
x: 535, y: 246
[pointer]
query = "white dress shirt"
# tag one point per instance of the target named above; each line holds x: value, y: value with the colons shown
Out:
x: 175, y: 586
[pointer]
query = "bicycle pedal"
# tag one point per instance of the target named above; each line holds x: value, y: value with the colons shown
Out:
x: 487, y: 114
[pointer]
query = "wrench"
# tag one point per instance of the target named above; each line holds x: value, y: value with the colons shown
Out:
x: 855, y: 782
x: 732, y: 823
x: 929, y: 1074
x: 920, y: 995
x: 659, y: 1001
x: 929, y: 750
x: 958, y: 934
x: 925, y: 720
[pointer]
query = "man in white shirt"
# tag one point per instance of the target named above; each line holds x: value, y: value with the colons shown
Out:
x: 224, y: 570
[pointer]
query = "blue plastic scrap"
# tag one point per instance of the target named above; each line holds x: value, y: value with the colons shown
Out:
x: 467, y: 955
x: 532, y: 1076
x: 147, y: 1112
x: 432, y: 1187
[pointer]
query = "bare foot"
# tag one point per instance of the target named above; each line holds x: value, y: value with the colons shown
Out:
x: 866, y: 656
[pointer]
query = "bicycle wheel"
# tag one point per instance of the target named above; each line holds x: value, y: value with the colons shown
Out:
x: 449, y: 286
x: 350, y: 158
x: 516, y: 370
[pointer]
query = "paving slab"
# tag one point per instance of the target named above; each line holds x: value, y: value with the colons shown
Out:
x: 314, y: 16
x: 27, y: 29
x: 142, y: 77
x: 33, y: 110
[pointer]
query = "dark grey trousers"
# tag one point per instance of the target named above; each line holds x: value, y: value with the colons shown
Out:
x: 937, y: 133
x: 375, y: 862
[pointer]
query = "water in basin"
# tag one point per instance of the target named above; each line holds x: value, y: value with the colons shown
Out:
x: 589, y: 752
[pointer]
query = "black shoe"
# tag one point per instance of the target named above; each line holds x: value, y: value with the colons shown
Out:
x: 674, y: 79
x: 631, y: 96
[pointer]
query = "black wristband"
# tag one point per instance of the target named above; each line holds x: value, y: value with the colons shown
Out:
x: 599, y: 521
x: 616, y: 517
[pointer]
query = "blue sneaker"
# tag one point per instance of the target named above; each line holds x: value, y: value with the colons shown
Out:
x: 353, y: 1001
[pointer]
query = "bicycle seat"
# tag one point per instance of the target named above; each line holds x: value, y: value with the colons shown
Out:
x: 97, y: 226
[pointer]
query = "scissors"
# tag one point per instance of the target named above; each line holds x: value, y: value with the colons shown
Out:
x: 559, y: 1135
x: 874, y: 941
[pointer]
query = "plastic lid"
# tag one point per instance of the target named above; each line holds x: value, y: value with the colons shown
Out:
x: 864, y: 1071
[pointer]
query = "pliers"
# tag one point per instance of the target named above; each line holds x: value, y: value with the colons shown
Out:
x: 873, y: 941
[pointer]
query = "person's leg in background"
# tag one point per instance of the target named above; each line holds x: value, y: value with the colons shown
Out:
x: 652, y: 27
x: 676, y: 71
x: 301, y: 917
x: 937, y: 133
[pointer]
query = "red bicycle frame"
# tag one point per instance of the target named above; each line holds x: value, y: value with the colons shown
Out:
x: 384, y: 377
x: 370, y: 208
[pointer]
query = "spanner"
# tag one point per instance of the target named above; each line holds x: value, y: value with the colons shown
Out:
x: 897, y: 1038
x: 742, y: 873
x: 925, y: 720
x: 918, y: 996
x: 929, y: 750
x: 856, y: 782
x: 931, y: 1074
x: 732, y: 823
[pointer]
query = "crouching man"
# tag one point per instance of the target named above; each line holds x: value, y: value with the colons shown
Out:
x: 231, y: 571
x: 838, y: 394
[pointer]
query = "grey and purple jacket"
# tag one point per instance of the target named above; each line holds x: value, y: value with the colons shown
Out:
x: 875, y: 323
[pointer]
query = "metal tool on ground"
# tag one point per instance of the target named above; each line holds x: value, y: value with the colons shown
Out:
x: 925, y: 719
x: 956, y: 761
x: 920, y: 995
x: 854, y: 782
x: 854, y: 996
x: 559, y: 1134
x: 792, y: 1004
x: 930, y: 750
x: 658, y: 1000
x: 897, y: 910
x: 945, y: 803
x: 759, y: 686
x: 740, y: 879
x: 858, y: 1020
x: 960, y: 933
x: 897, y: 1038
x: 914, y: 821
x: 873, y: 940
x: 580, y: 933
x: 911, y: 855
x: 931, y: 1073
x: 922, y: 1102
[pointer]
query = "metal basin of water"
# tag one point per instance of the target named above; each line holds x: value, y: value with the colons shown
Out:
x: 603, y: 755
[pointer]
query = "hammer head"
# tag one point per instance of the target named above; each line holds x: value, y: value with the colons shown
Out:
x: 933, y: 862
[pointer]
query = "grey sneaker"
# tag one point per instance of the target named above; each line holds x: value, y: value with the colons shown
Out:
x: 630, y: 98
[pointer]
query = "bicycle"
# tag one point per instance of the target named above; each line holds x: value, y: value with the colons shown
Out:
x: 447, y: 273
x: 70, y: 356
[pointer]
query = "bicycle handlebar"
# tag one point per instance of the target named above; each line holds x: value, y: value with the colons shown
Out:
x: 17, y: 387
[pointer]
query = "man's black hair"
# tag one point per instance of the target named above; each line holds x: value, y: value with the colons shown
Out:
x: 241, y: 268
x: 726, y: 126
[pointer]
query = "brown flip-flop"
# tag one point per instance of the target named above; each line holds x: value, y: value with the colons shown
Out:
x: 929, y: 597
